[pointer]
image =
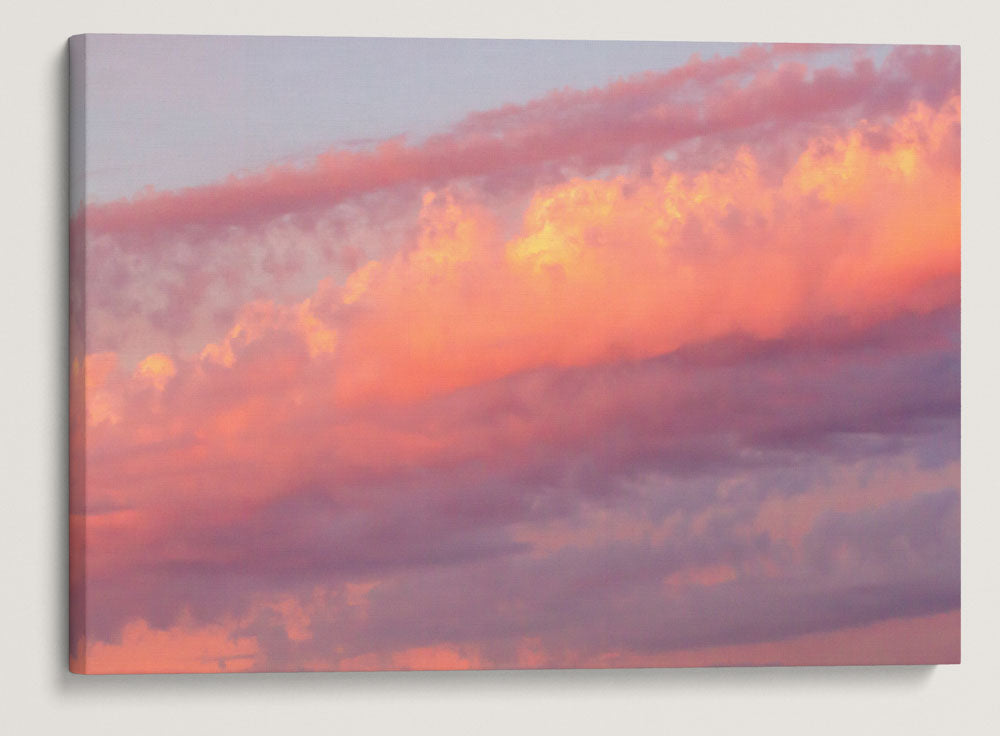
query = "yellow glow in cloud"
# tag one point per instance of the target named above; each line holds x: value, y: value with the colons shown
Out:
x: 449, y: 233
x: 358, y: 282
x: 640, y: 265
x: 318, y: 336
x: 157, y: 369
x: 258, y: 319
x: 653, y: 262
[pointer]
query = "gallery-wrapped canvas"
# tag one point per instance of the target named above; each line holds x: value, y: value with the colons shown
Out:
x: 470, y: 354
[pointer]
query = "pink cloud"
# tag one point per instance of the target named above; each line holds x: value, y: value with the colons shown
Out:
x: 624, y: 244
x: 462, y: 452
x: 920, y: 640
x: 537, y: 132
x: 183, y: 648
x: 172, y: 263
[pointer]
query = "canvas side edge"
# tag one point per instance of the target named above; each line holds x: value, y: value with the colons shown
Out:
x: 77, y: 355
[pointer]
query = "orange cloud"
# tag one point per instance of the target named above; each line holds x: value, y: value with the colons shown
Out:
x: 602, y: 270
x: 636, y: 266
x: 438, y: 657
x: 157, y: 369
x: 181, y: 648
x: 327, y: 395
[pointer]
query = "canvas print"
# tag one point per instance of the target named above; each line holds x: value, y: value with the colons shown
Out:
x: 492, y: 354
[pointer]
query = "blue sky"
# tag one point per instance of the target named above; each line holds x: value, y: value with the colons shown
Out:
x: 185, y: 110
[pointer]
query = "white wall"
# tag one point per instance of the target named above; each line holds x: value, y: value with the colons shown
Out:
x: 39, y: 696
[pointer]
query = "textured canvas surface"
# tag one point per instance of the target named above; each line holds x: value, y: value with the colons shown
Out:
x: 464, y: 354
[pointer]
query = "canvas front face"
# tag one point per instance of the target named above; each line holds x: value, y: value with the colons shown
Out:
x: 449, y: 354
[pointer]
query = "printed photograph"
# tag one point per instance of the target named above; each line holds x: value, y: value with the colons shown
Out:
x: 424, y: 354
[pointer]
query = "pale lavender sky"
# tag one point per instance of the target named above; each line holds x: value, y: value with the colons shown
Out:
x: 175, y: 111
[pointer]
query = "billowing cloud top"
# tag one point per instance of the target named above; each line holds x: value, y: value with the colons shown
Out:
x: 664, y: 372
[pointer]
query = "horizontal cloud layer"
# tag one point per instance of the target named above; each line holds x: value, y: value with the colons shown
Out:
x: 175, y: 262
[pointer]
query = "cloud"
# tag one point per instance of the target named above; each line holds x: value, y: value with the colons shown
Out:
x: 931, y: 639
x: 179, y: 257
x: 183, y: 648
x: 560, y: 126
x: 617, y: 412
x: 634, y: 267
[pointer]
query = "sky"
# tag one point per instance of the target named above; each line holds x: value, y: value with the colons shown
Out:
x: 265, y: 99
x: 428, y: 354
